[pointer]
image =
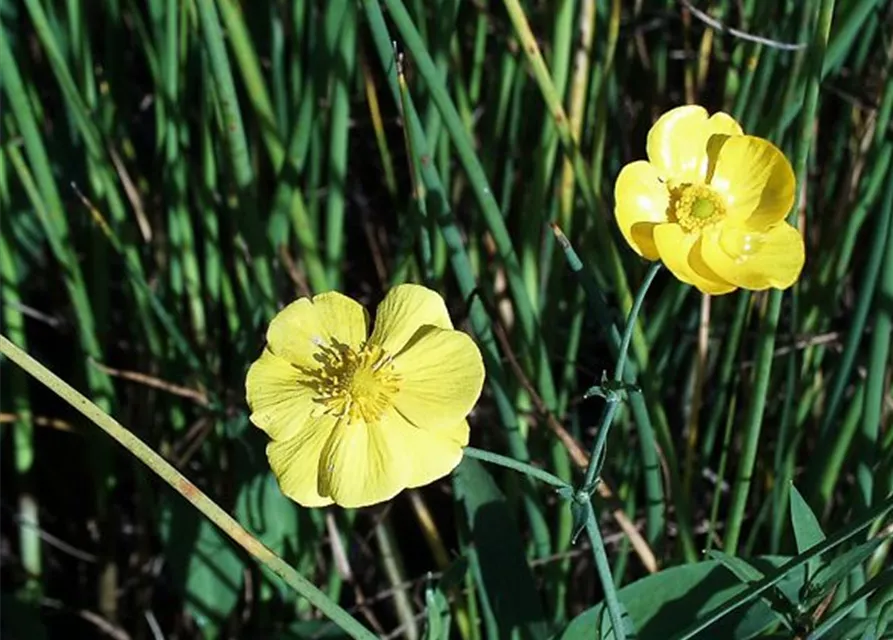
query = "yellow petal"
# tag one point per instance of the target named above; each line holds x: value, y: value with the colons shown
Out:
x: 756, y: 181
x: 296, y: 332
x: 675, y: 246
x: 431, y: 456
x: 295, y: 462
x: 441, y: 374
x: 405, y: 309
x: 363, y: 464
x: 754, y: 260
x: 677, y: 143
x: 640, y: 202
x: 280, y: 404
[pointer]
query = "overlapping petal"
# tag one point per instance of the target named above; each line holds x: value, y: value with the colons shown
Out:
x: 753, y: 259
x: 677, y: 142
x: 675, y: 248
x: 295, y: 462
x: 430, y: 455
x: 297, y: 330
x: 756, y: 181
x: 640, y: 203
x: 364, y: 464
x: 405, y: 309
x: 442, y: 374
x: 280, y: 404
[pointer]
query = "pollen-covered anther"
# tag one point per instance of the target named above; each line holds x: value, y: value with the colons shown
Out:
x: 695, y: 206
x: 355, y: 384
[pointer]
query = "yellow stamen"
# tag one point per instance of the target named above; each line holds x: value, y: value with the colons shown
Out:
x: 353, y: 384
x: 695, y: 206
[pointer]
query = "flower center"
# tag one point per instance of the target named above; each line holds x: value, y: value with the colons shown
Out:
x: 694, y: 206
x: 358, y: 385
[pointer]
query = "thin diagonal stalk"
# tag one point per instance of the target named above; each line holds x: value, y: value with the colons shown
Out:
x: 596, y: 459
x: 187, y: 489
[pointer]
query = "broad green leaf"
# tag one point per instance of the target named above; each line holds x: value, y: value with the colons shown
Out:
x: 263, y: 509
x: 503, y: 576
x: 742, y: 569
x: 669, y: 601
x: 203, y: 564
x: 272, y: 518
x: 267, y: 513
x: 807, y: 530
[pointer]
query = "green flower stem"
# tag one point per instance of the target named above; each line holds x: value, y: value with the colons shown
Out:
x: 185, y: 488
x: 604, y: 573
x: 597, y: 456
x: 613, y: 404
x: 765, y: 349
x: 654, y: 492
x: 523, y: 467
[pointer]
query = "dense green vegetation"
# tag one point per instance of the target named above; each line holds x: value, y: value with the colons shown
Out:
x: 175, y: 171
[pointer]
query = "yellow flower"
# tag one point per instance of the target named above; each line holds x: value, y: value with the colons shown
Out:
x: 356, y: 418
x: 711, y: 203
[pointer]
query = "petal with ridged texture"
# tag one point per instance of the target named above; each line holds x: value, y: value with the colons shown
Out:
x: 364, y: 464
x: 298, y: 330
x: 295, y: 462
x: 406, y: 309
x: 280, y: 404
x: 441, y: 375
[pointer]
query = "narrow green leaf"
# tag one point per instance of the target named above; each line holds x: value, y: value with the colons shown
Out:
x: 749, y: 574
x: 437, y: 614
x: 836, y: 619
x: 784, y: 572
x: 837, y: 569
x: 807, y: 530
